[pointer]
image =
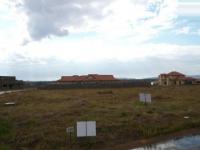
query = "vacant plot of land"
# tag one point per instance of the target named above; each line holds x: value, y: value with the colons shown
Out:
x: 40, y: 117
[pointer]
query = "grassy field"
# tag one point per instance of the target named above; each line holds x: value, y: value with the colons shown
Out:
x: 40, y: 117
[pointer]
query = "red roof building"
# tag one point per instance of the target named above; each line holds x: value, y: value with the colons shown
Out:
x: 87, y: 78
x: 174, y: 73
x: 175, y: 78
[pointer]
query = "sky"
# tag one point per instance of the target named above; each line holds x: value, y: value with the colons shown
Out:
x: 46, y: 39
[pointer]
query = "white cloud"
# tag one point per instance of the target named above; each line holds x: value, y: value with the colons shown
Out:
x: 130, y: 61
x: 91, y: 50
x: 198, y: 32
x: 187, y: 30
x: 189, y: 9
x: 136, y: 19
x: 183, y: 30
x: 13, y: 27
x: 119, y: 31
x: 46, y: 18
x: 49, y: 59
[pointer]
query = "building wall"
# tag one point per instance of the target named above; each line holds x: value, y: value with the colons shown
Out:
x: 163, y: 81
x: 171, y: 80
x: 9, y: 82
x: 100, y: 84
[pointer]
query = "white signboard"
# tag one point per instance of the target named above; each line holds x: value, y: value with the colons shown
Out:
x: 91, y: 128
x: 148, y: 98
x: 70, y: 129
x: 142, y: 97
x: 86, y: 128
x: 145, y: 98
x: 81, y: 129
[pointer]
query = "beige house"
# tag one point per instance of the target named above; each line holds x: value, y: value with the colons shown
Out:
x: 175, y: 78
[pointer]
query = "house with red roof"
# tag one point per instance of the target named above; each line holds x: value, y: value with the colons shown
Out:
x: 175, y: 78
x: 90, y: 78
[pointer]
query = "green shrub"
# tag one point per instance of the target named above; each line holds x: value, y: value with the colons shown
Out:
x: 5, y: 128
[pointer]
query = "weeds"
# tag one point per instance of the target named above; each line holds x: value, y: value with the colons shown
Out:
x: 41, y: 116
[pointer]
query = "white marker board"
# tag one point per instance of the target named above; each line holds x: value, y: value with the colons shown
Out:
x: 145, y: 98
x: 86, y: 128
x: 148, y: 98
x: 70, y: 129
x: 142, y: 97
x: 81, y: 129
x: 91, y: 128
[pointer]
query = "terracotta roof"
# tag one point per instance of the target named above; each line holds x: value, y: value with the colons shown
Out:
x: 189, y: 79
x: 89, y: 77
x: 174, y: 73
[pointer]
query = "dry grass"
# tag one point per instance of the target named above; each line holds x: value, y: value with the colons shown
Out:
x: 40, y: 118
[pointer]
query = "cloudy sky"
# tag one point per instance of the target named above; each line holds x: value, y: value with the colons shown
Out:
x: 45, y: 39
